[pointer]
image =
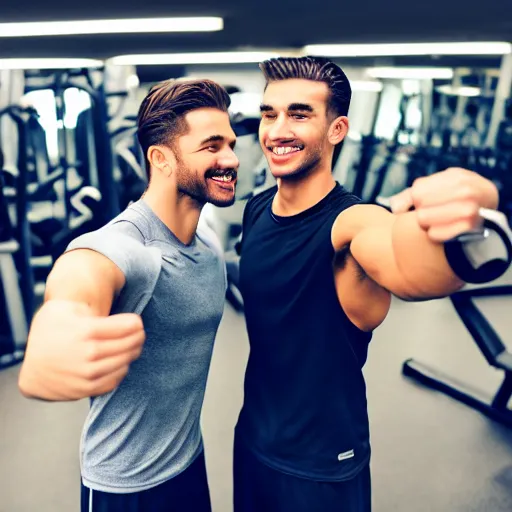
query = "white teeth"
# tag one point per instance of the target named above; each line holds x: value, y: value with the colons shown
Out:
x: 223, y: 178
x: 283, y: 150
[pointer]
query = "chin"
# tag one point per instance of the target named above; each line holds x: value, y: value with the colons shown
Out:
x: 222, y: 202
x: 283, y: 173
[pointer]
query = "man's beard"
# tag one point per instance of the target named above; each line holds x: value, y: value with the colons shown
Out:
x: 195, y: 187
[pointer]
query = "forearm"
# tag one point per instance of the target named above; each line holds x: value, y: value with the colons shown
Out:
x: 420, y: 261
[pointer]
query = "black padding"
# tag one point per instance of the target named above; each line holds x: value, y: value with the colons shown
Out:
x: 461, y: 266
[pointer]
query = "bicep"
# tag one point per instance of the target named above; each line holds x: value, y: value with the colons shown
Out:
x: 372, y: 249
x: 85, y: 276
x: 368, y: 231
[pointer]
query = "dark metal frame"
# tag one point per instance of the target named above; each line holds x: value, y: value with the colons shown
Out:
x: 492, y: 349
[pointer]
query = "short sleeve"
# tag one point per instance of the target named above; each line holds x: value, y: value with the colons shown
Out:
x: 123, y: 244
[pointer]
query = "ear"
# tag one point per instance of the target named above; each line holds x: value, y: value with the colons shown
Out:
x: 160, y: 159
x: 338, y: 130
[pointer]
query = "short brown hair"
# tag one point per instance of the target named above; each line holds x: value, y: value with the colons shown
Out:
x: 317, y: 69
x: 161, y: 114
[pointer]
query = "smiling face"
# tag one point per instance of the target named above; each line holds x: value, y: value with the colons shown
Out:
x: 205, y: 165
x: 296, y: 129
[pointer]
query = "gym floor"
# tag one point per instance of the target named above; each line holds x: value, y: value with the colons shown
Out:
x: 430, y: 453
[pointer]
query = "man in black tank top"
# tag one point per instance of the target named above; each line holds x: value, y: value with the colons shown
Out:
x: 317, y: 272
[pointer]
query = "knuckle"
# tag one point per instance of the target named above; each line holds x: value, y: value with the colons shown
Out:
x: 418, y: 183
x: 422, y: 216
x: 89, y: 388
x: 458, y: 172
x: 135, y: 322
x: 416, y: 193
x: 467, y: 191
x: 88, y: 331
x: 471, y: 211
x: 89, y: 374
x: 92, y: 352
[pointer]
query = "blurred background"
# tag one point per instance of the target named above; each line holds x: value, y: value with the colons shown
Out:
x: 431, y: 89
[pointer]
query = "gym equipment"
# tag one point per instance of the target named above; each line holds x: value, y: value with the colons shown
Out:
x: 15, y: 326
x: 21, y: 229
x: 504, y: 138
x: 122, y: 97
x: 370, y: 147
x: 16, y: 277
x: 492, y: 349
x: 95, y: 122
x: 83, y: 193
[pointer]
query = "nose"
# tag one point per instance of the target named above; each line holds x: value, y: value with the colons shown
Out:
x: 279, y: 129
x: 228, y: 159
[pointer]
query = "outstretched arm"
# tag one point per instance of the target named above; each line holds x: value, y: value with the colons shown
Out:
x: 404, y: 251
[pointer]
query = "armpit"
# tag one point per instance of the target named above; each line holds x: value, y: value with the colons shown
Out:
x: 343, y: 260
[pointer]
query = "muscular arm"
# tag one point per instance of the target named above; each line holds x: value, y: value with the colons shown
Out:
x: 82, y: 284
x: 87, y: 278
x: 395, y: 252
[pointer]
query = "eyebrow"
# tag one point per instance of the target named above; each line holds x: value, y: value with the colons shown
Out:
x: 218, y: 138
x: 292, y: 107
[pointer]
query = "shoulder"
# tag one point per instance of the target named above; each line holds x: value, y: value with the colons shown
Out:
x: 343, y: 199
x: 259, y: 201
x: 356, y: 217
x: 123, y: 243
x: 129, y: 227
x: 120, y: 235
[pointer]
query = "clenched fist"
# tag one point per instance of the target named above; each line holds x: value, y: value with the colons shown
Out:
x: 447, y: 203
x: 72, y: 354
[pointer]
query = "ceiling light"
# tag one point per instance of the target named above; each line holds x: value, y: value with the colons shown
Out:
x: 116, y: 26
x: 64, y: 63
x: 192, y: 58
x: 365, y: 85
x: 459, y: 91
x: 411, y: 73
x: 389, y: 50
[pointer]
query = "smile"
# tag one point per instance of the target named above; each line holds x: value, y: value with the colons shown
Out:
x: 227, y: 178
x: 285, y: 150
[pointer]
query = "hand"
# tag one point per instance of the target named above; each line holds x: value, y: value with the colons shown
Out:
x: 447, y: 203
x: 72, y: 355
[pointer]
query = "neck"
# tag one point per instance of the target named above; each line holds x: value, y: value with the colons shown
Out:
x: 178, y: 212
x: 298, y: 194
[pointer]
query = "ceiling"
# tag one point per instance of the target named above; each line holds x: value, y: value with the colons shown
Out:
x: 262, y: 25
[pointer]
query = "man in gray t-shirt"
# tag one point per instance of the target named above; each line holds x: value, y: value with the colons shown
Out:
x: 131, y: 312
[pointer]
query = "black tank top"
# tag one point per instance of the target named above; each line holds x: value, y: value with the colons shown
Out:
x: 305, y: 410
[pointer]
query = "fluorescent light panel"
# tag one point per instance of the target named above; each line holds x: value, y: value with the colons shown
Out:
x: 405, y: 49
x: 410, y: 73
x: 63, y: 63
x: 460, y: 91
x: 192, y: 58
x: 366, y: 85
x: 116, y: 26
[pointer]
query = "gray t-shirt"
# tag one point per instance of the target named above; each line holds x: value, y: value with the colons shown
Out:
x: 147, y: 430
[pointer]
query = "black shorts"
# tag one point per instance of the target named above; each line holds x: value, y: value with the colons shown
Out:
x: 185, y: 493
x: 259, y: 488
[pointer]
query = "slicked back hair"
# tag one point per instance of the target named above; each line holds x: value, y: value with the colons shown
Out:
x: 318, y: 69
x: 161, y: 114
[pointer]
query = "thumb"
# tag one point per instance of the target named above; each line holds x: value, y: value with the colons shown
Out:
x: 401, y: 202
x: 115, y: 326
